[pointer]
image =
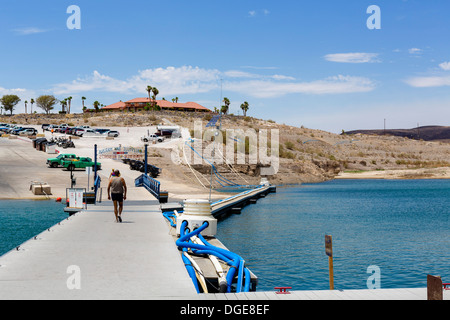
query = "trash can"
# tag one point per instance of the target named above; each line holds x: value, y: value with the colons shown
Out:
x: 163, y: 196
x: 39, y: 143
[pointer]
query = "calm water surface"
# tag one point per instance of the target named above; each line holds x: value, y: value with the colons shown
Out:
x: 21, y: 220
x: 403, y: 227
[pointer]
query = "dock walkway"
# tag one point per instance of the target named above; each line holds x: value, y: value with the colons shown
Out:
x: 136, y: 259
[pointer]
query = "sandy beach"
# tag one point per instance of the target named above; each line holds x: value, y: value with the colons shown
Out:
x: 423, y: 173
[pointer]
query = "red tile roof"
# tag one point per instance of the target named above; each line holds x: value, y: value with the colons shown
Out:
x: 164, y: 104
x: 118, y: 105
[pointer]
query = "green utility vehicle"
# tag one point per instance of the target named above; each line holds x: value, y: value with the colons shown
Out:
x: 56, y: 162
x: 79, y: 162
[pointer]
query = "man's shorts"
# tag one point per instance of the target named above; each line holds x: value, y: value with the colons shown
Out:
x: 117, y: 197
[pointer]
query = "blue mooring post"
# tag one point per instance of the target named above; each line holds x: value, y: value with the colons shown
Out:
x: 145, y: 160
x: 95, y: 162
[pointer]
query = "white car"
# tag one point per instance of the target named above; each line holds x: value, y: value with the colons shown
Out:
x: 112, y: 133
x: 152, y: 137
x: 89, y: 133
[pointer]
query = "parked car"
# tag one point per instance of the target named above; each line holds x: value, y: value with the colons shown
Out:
x: 79, y: 162
x: 45, y: 126
x: 113, y: 133
x: 11, y: 129
x: 55, y: 162
x: 79, y: 132
x: 65, y: 130
x: 101, y: 131
x: 152, y: 137
x: 28, y: 131
x: 53, y: 127
x: 89, y: 133
x: 17, y: 131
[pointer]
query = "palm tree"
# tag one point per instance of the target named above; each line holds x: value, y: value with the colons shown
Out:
x: 31, y: 107
x: 82, y: 101
x: 245, y: 106
x: 176, y: 99
x: 155, y: 92
x: 96, y: 105
x: 26, y: 102
x: 149, y: 91
x: 69, y: 99
x: 226, y: 105
x: 63, y: 105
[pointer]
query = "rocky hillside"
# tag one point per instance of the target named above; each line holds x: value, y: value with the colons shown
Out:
x: 306, y: 155
x: 427, y: 133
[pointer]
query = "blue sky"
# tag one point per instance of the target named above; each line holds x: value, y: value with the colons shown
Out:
x: 311, y: 63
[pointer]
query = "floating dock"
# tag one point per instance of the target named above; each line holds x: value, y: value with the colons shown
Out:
x: 89, y: 256
x: 235, y: 204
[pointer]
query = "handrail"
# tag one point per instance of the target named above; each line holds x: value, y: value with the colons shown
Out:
x: 153, y: 186
x: 97, y: 185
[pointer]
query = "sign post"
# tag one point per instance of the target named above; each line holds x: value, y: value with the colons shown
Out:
x: 88, y: 172
x: 329, y: 253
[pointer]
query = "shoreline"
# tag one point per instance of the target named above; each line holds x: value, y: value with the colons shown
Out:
x: 366, y: 175
x: 22, y: 165
x: 398, y: 174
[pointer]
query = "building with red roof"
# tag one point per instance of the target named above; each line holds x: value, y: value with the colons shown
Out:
x: 139, y: 104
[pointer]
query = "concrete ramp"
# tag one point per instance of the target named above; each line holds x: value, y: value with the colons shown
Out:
x: 136, y: 259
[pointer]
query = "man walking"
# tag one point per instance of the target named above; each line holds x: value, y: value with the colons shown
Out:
x: 117, y: 191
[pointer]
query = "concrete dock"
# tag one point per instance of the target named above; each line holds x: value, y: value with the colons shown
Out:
x: 136, y: 259
x: 89, y: 256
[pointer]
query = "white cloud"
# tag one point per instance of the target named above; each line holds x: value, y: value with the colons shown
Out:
x: 195, y: 80
x: 415, y: 51
x: 252, y: 13
x: 428, y: 82
x: 445, y: 66
x: 272, y: 89
x: 259, y: 68
x: 28, y: 31
x: 17, y: 91
x: 170, y: 80
x: 242, y: 74
x: 355, y: 57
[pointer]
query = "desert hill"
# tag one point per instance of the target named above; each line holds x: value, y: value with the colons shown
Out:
x: 306, y: 155
x: 427, y: 133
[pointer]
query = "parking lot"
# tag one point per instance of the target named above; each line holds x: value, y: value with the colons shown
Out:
x: 21, y: 163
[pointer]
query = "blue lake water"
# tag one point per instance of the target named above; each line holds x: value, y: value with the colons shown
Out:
x: 21, y: 220
x: 401, y: 226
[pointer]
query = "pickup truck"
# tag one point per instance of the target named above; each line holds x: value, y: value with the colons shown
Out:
x: 152, y: 137
x: 79, y: 162
x: 55, y: 162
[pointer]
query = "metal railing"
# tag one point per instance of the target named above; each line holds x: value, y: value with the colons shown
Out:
x: 153, y: 186
x: 97, y: 186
